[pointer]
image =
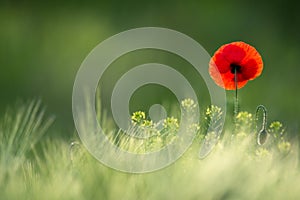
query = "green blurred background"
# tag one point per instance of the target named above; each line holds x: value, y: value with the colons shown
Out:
x: 42, y: 45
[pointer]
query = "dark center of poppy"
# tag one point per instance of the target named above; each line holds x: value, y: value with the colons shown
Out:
x: 234, y: 67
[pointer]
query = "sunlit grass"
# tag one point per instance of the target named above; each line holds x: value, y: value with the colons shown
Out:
x: 237, y: 168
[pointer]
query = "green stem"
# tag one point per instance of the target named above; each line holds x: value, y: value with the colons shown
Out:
x: 262, y: 134
x: 236, y: 103
x: 264, y: 120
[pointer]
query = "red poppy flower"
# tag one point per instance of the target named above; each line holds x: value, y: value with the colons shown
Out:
x: 237, y: 56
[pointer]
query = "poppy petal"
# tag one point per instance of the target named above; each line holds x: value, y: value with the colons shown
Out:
x: 235, y: 57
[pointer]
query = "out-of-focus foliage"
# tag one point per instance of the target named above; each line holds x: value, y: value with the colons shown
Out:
x: 42, y: 45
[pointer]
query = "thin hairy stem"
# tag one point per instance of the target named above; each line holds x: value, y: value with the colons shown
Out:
x: 236, y: 103
x: 262, y: 134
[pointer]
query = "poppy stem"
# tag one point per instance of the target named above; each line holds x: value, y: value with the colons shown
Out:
x: 264, y: 120
x: 262, y: 134
x: 236, y: 103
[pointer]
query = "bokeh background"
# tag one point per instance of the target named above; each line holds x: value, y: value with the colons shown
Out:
x: 42, y: 45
